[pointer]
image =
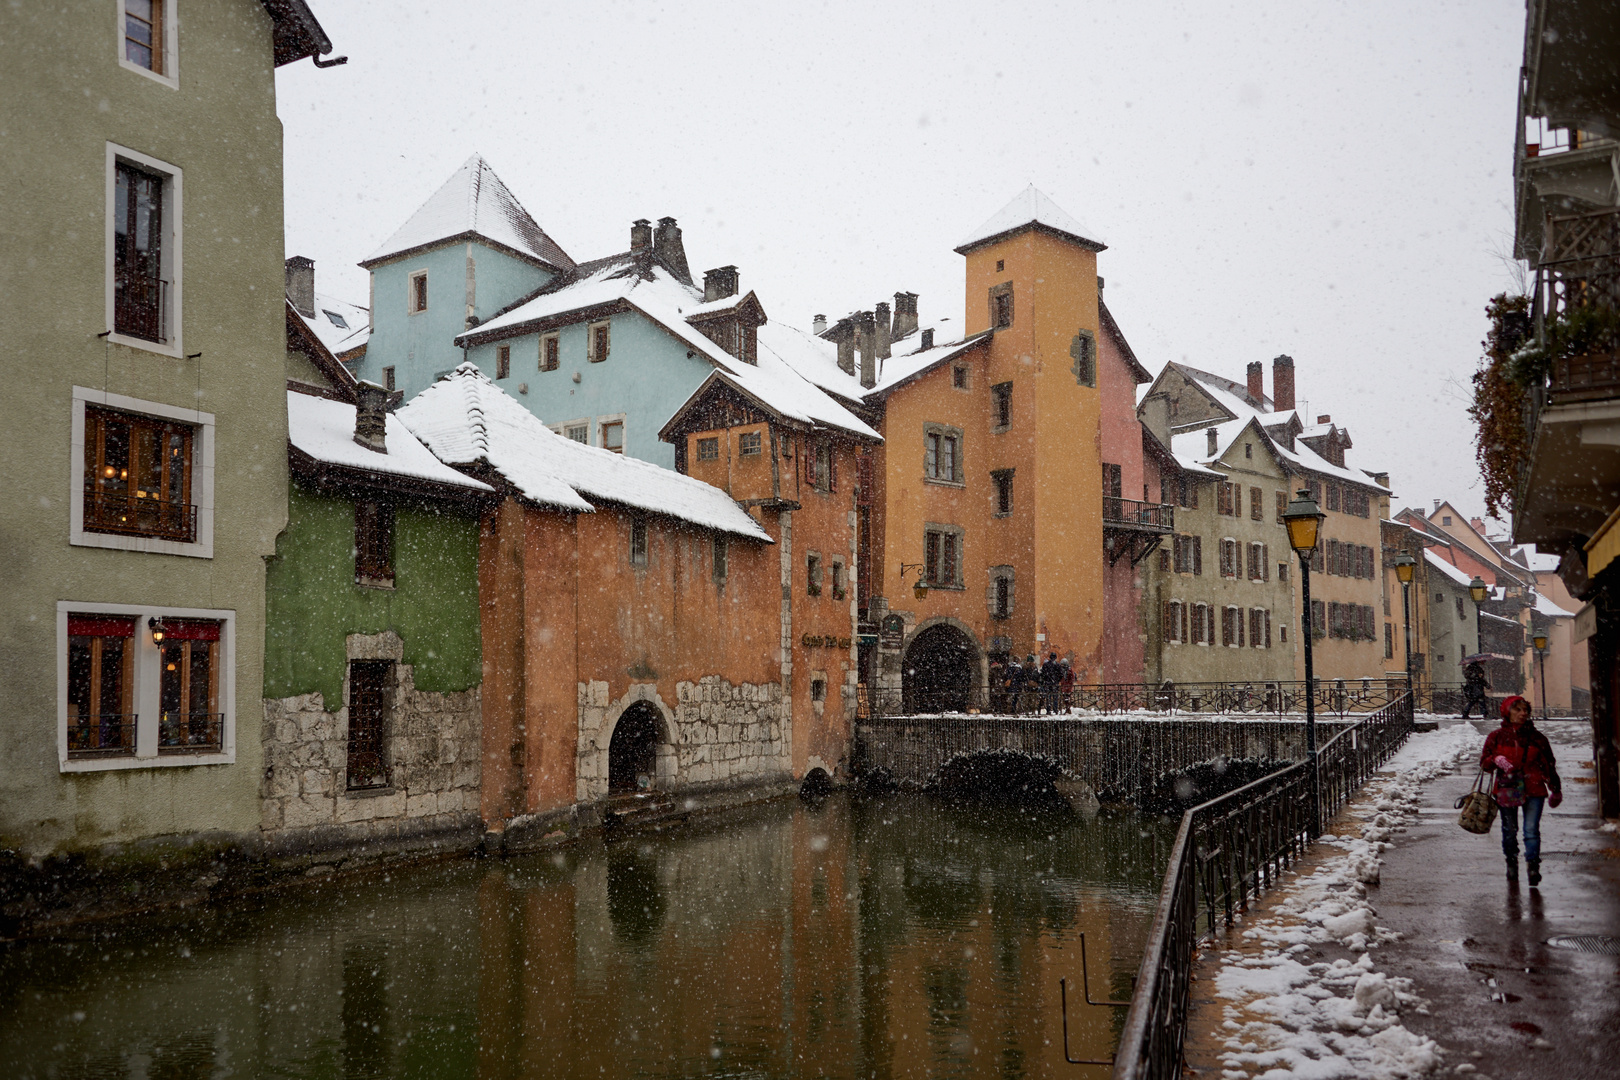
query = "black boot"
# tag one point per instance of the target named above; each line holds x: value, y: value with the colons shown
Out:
x: 1534, y: 866
x: 1513, y: 869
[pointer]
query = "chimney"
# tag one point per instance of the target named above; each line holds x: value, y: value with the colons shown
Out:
x: 719, y: 283
x: 905, y: 315
x: 370, y: 423
x: 843, y: 335
x: 1155, y: 415
x: 818, y: 325
x: 1479, y: 525
x: 928, y: 338
x: 866, y: 342
x: 640, y: 234
x: 884, y: 331
x: 1282, y: 383
x: 1257, y: 384
x: 1214, y: 441
x: 1436, y: 509
x: 301, y: 285
x: 668, y: 247
x: 1324, y: 418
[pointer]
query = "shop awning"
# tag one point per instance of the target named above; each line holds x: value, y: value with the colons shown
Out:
x: 1604, y: 546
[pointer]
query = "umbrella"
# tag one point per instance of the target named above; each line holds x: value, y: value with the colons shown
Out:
x: 1481, y: 658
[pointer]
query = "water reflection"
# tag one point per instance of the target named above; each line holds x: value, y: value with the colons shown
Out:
x: 887, y: 937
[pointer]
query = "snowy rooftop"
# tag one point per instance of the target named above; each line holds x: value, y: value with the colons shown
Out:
x: 898, y: 368
x: 474, y: 200
x: 1545, y: 606
x: 1031, y: 207
x: 1450, y: 571
x: 465, y: 418
x: 814, y: 359
x: 324, y: 430
x: 339, y: 325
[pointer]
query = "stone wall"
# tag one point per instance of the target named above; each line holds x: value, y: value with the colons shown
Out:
x: 716, y: 734
x: 433, y: 753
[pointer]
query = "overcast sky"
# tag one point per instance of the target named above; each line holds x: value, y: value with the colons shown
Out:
x: 1332, y: 181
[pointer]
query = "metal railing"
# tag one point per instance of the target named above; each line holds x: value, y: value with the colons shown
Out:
x: 1136, y: 514
x: 135, y: 515
x: 141, y: 307
x: 190, y: 733
x: 1340, y: 697
x: 106, y: 735
x: 1227, y: 852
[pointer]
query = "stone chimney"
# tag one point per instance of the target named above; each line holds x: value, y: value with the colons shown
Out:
x: 884, y: 331
x: 640, y: 234
x: 1214, y: 441
x: 668, y: 247
x: 928, y: 338
x: 1257, y: 384
x: 719, y: 283
x: 818, y: 325
x: 370, y: 416
x: 1324, y: 418
x: 1282, y: 383
x: 1156, y: 416
x: 905, y: 315
x: 843, y: 335
x: 1436, y: 506
x: 866, y: 343
x: 301, y: 285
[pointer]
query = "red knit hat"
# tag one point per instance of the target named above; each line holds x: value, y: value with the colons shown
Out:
x: 1508, y: 704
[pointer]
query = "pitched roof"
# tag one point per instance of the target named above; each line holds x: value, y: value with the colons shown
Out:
x: 465, y: 419
x: 1031, y: 208
x: 324, y: 430
x: 898, y: 370
x: 342, y: 327
x: 474, y: 202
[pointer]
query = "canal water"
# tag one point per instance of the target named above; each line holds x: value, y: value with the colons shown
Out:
x: 858, y: 937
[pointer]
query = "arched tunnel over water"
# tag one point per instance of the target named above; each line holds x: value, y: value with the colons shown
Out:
x: 836, y: 936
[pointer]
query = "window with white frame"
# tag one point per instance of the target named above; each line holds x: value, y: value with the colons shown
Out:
x: 1203, y: 625
x: 144, y: 686
x: 142, y: 476
x: 147, y: 38
x: 612, y: 428
x: 416, y: 295
x: 598, y: 341
x: 550, y: 352
x: 143, y: 281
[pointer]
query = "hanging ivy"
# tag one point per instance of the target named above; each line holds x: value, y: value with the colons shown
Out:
x: 1501, y: 442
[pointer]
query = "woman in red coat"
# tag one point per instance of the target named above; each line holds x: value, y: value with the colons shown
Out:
x: 1526, y: 776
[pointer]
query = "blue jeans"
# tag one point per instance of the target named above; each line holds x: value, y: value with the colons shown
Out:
x: 1532, y: 829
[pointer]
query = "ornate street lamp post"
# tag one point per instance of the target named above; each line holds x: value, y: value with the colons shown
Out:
x: 1304, y: 521
x: 1404, y: 566
x: 1479, y: 591
x: 1540, y: 642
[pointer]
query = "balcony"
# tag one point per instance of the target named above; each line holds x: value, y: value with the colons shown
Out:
x: 139, y: 513
x: 1135, y: 528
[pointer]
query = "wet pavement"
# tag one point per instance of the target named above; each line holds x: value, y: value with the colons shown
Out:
x: 1476, y: 947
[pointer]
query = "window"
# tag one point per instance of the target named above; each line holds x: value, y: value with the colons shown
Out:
x: 821, y: 465
x: 1226, y: 499
x: 1357, y: 502
x: 748, y: 444
x: 1259, y: 563
x: 942, y: 454
x: 100, y: 686
x: 550, y: 352
x: 1460, y: 613
x: 1001, y: 264
x: 613, y: 436
x: 418, y: 296
x: 720, y: 553
x: 1001, y: 406
x: 1004, y: 491
x: 1232, y: 627
x: 1282, y: 505
x: 138, y: 476
x: 708, y: 449
x: 189, y: 720
x: 638, y: 542
x: 1230, y: 564
x: 1256, y: 504
x: 143, y: 251
x: 1084, y: 351
x: 1001, y: 306
x: 147, y: 39
x: 503, y: 362
x: 840, y: 580
x: 1332, y: 496
x: 580, y: 433
x: 1318, y: 619
x: 599, y: 341
x: 818, y: 689
x: 1113, y: 489
x: 1445, y: 519
x: 374, y: 543
x: 370, y: 693
x: 1203, y: 625
x: 1282, y: 634
x: 959, y: 376
x: 1001, y: 592
x: 1282, y: 572
x: 1187, y: 493
x: 942, y: 555
x: 1315, y: 488
x: 1170, y: 622
x: 812, y: 574
x: 1389, y: 641
x: 388, y: 377
x: 1189, y: 554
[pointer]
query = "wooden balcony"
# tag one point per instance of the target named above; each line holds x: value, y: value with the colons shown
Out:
x: 1135, y: 528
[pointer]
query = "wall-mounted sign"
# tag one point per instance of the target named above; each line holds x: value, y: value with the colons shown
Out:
x: 824, y: 641
x: 1585, y: 623
x: 894, y: 630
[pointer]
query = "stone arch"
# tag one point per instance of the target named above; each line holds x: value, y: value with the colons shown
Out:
x: 643, y: 707
x: 943, y: 668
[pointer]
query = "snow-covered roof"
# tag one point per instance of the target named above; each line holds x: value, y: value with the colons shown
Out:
x: 1545, y: 606
x: 324, y: 430
x: 464, y: 418
x: 814, y: 359
x: 899, y: 368
x: 474, y: 201
x: 1031, y: 207
x: 1450, y: 571
x: 644, y: 283
x: 340, y: 326
x: 725, y: 303
x: 1539, y: 562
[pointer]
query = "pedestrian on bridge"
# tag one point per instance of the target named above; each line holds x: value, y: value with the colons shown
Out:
x: 1526, y: 777
x: 1474, y: 687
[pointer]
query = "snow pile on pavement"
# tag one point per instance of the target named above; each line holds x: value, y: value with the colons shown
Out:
x: 1323, y: 1021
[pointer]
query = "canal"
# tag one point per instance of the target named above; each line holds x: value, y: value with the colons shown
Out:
x: 860, y: 937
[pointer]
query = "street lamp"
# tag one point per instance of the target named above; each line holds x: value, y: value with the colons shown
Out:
x: 1304, y: 521
x: 1479, y: 591
x: 1540, y: 642
x: 1404, y: 566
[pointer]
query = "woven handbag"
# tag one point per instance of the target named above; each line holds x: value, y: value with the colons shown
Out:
x: 1478, y: 808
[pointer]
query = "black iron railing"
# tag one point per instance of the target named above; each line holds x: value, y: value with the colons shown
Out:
x: 1136, y: 514
x: 1227, y: 852
x: 190, y: 733
x: 106, y: 735
x: 133, y: 515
